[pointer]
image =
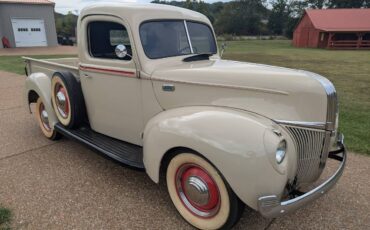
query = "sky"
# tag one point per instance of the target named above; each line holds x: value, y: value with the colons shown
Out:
x: 64, y: 6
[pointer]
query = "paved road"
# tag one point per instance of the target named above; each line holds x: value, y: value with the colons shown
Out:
x: 63, y: 185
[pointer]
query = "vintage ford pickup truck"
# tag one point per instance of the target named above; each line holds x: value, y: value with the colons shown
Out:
x: 150, y: 90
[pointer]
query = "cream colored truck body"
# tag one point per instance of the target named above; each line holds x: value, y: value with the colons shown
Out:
x: 232, y: 113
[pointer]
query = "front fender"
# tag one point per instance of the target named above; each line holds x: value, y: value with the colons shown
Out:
x: 236, y: 142
x: 40, y: 84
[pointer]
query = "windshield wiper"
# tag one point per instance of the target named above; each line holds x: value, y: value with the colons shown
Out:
x: 198, y: 57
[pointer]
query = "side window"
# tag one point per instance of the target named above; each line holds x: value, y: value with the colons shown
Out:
x: 104, y: 37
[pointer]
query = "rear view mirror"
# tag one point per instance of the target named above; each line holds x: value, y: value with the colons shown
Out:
x: 121, y: 51
x: 223, y: 48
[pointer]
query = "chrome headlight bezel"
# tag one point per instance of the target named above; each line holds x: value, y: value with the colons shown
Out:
x: 281, y: 152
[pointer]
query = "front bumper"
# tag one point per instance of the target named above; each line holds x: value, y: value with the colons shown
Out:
x: 271, y: 207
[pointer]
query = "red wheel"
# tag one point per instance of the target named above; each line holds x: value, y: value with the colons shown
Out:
x: 200, y: 194
x: 67, y: 99
x: 61, y: 100
x: 42, y: 117
x: 198, y: 191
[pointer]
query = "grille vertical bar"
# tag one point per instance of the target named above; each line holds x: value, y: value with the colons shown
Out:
x: 332, y: 111
x: 312, y: 152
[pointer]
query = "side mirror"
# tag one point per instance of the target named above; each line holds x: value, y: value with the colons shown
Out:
x: 121, y: 51
x: 223, y: 48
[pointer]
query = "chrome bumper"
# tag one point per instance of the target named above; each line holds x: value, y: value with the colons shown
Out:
x: 271, y: 207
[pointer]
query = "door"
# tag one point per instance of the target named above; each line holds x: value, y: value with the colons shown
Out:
x: 305, y: 37
x: 110, y: 84
x: 29, y: 32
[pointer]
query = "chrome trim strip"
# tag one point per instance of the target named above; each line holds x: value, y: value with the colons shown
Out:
x: 333, y: 111
x: 187, y: 34
x: 303, y: 124
x: 332, y: 100
x: 271, y: 207
x: 113, y: 71
x: 263, y: 90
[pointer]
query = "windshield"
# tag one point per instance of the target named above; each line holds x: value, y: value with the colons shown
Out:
x: 169, y: 38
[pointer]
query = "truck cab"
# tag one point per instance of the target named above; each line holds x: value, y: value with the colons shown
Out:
x: 150, y: 90
x: 113, y: 85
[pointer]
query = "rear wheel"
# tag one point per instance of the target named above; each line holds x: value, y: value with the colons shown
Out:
x: 200, y: 194
x: 42, y: 117
x: 67, y: 99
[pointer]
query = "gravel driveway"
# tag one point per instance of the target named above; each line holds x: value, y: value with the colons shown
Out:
x: 63, y: 185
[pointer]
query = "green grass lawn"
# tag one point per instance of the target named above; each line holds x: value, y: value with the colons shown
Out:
x: 348, y: 70
x: 16, y: 64
x: 5, y: 217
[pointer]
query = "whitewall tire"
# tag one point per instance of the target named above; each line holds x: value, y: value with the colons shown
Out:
x: 67, y: 99
x: 200, y: 193
x: 61, y: 100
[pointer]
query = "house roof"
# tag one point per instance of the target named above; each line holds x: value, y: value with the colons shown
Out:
x: 338, y: 20
x: 40, y: 2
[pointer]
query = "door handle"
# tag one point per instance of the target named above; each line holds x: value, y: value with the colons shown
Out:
x: 168, y: 87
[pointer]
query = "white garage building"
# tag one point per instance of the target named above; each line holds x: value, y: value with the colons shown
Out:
x: 27, y: 23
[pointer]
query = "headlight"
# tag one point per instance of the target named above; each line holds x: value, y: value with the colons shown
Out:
x: 280, y: 152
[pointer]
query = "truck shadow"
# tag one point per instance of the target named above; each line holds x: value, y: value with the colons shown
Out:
x: 155, y: 196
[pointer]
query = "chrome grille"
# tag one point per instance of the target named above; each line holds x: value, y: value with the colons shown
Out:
x: 312, y: 148
x: 312, y: 139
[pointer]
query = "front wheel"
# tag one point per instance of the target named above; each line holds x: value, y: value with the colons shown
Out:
x: 200, y: 193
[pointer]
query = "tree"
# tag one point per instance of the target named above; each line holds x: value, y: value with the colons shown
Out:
x: 320, y: 4
x: 346, y: 4
x: 317, y: 4
x: 249, y: 17
x: 66, y: 24
x: 295, y: 10
x: 209, y: 10
x: 203, y: 8
x: 241, y: 17
x: 279, y: 17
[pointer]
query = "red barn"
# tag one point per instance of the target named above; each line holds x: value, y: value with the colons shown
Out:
x: 334, y: 29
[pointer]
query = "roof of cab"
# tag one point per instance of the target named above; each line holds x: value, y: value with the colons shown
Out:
x: 137, y: 12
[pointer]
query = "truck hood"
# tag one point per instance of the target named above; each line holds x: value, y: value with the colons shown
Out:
x: 273, y: 92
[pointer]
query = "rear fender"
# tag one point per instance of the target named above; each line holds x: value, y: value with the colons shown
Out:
x: 40, y: 84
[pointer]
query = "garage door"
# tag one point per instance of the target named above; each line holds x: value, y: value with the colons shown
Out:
x: 29, y: 32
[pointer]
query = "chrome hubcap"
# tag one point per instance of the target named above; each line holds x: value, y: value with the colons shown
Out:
x: 44, y: 117
x: 62, y: 102
x: 197, y: 191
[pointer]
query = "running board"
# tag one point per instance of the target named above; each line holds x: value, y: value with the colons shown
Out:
x: 121, y: 151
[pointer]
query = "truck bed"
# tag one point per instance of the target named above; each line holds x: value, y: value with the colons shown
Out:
x: 50, y: 66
